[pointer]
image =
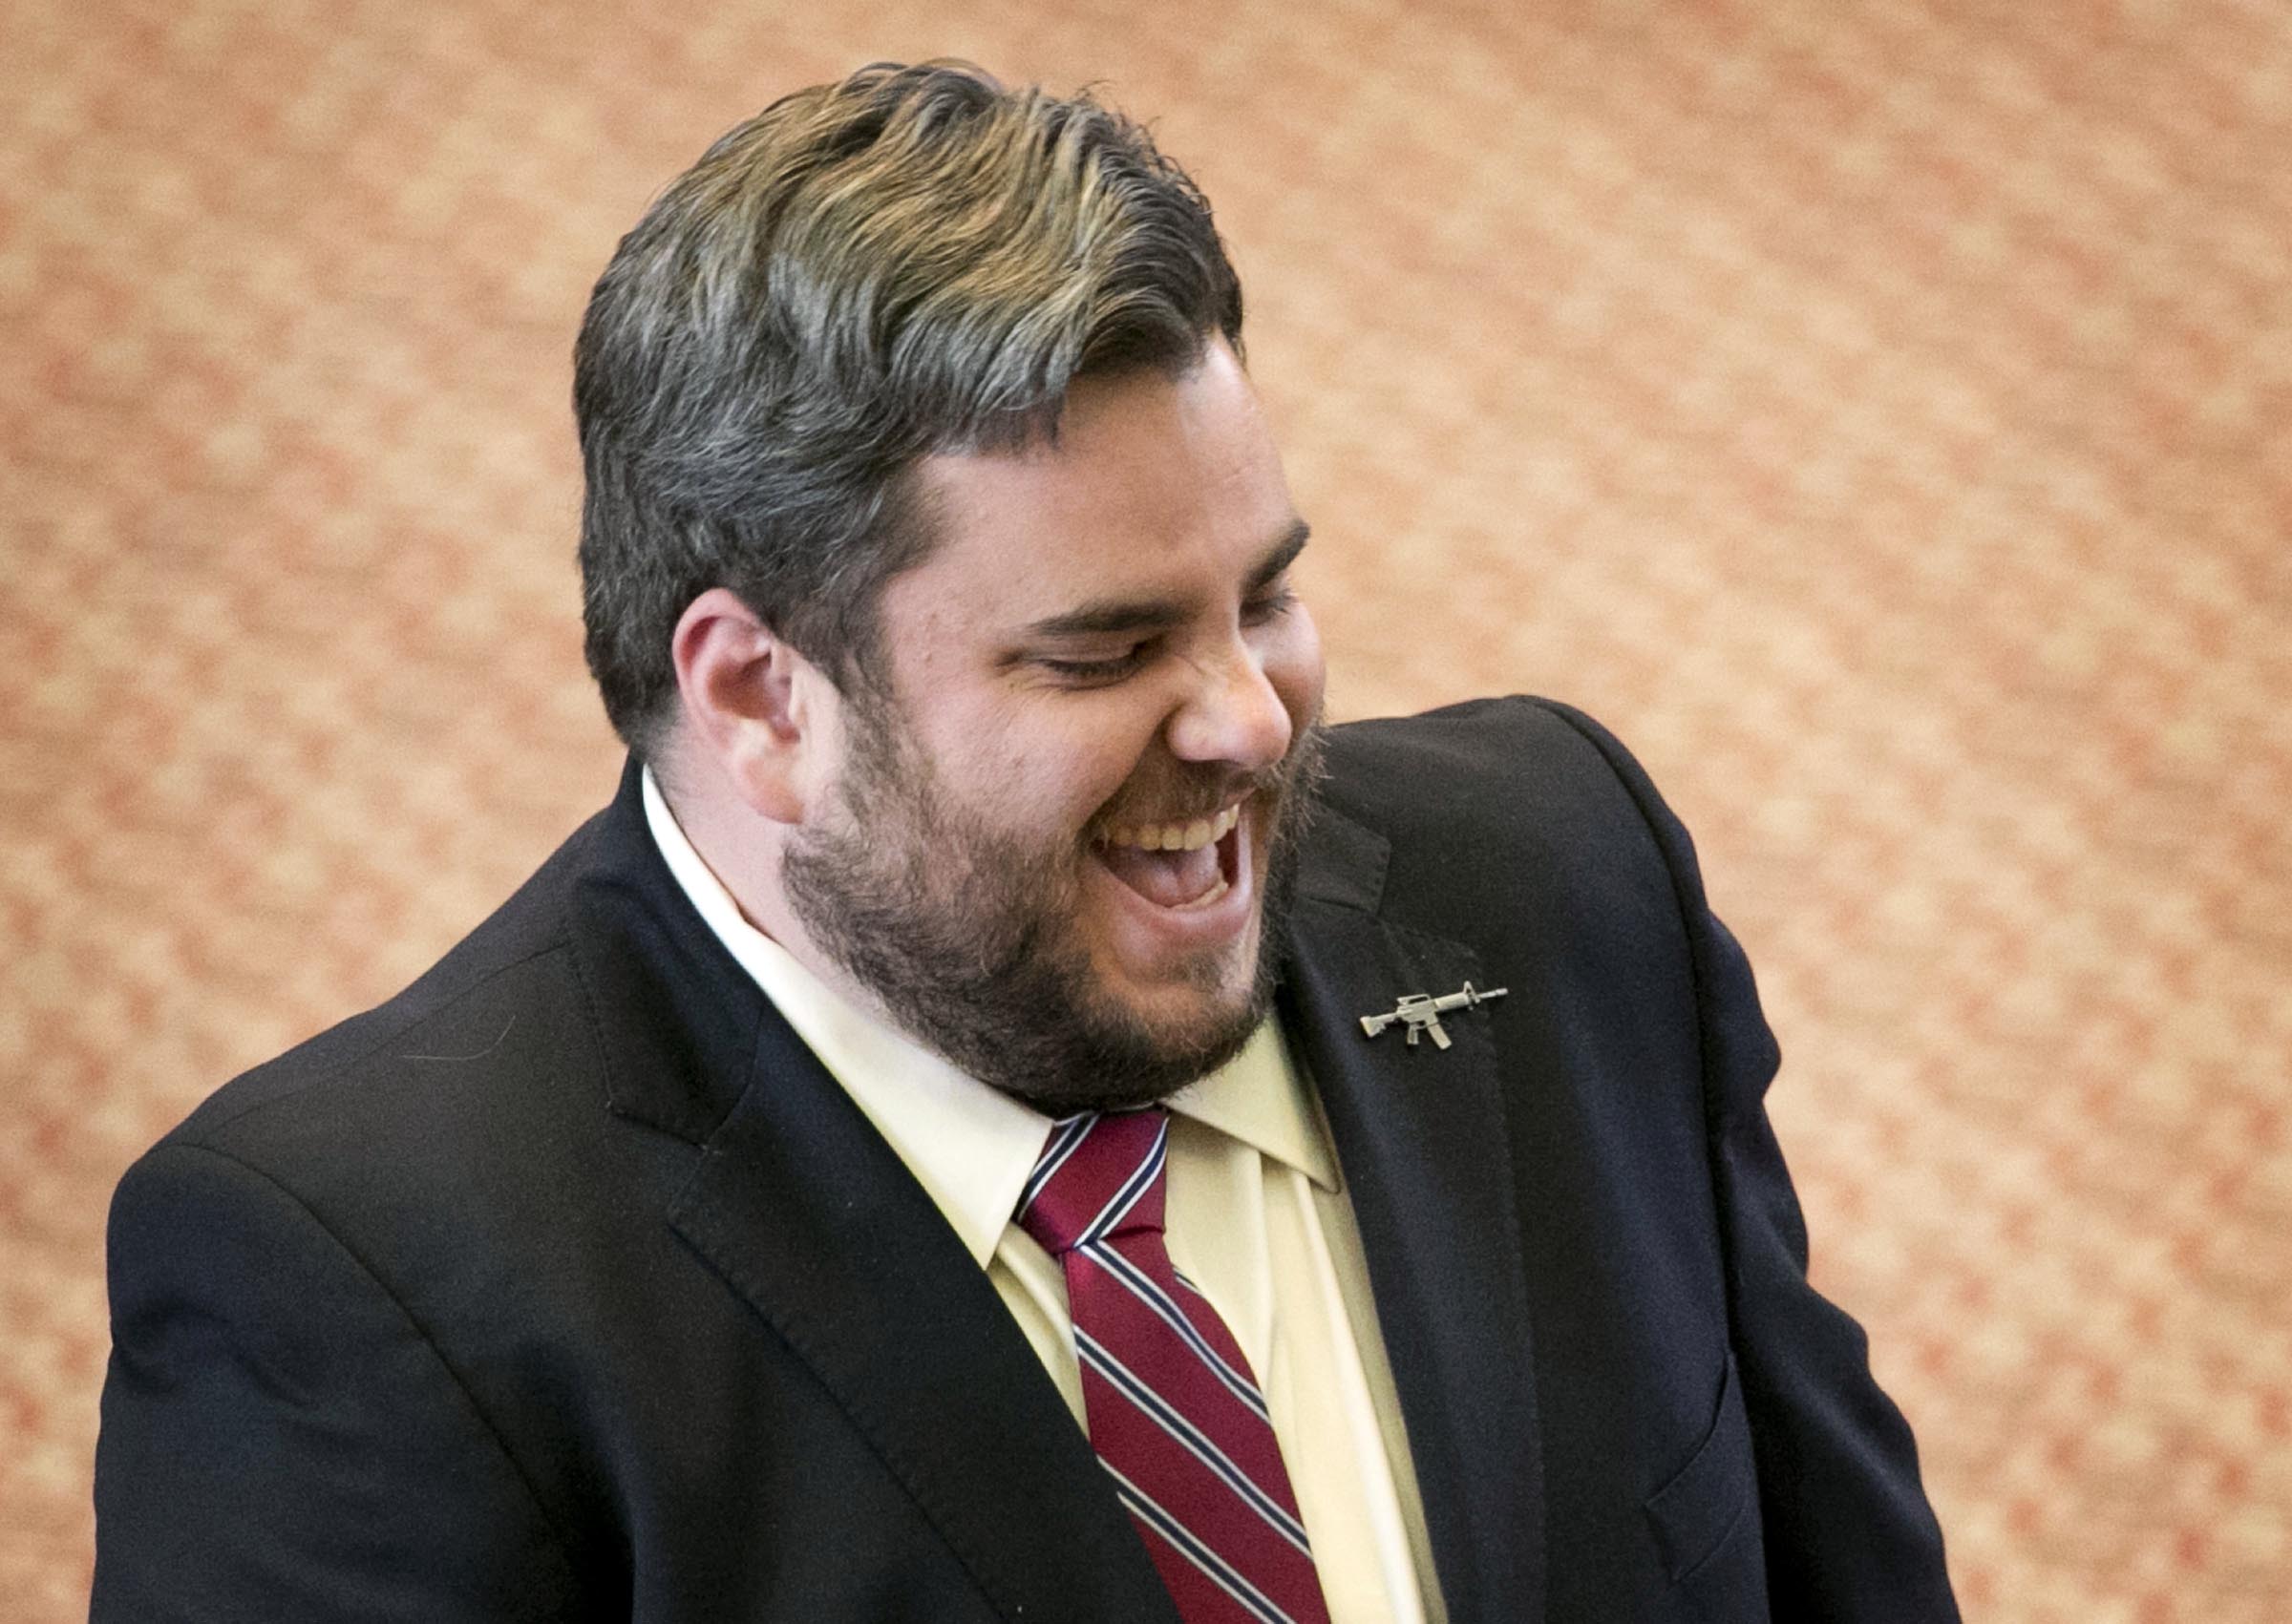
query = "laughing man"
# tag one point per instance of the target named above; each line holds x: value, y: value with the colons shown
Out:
x: 919, y: 1153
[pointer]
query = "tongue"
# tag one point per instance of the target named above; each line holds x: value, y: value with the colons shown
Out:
x: 1171, y: 878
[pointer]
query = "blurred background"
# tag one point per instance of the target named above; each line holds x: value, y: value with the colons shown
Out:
x: 1879, y: 414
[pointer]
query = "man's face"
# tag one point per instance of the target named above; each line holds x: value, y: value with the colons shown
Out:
x: 1055, y: 851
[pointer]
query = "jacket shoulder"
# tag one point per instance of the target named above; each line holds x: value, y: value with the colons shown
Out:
x: 483, y: 982
x: 1512, y: 792
x: 1465, y: 757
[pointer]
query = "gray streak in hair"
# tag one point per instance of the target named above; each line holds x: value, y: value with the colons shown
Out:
x: 911, y: 260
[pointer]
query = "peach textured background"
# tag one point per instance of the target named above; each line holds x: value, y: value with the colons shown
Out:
x: 1880, y: 414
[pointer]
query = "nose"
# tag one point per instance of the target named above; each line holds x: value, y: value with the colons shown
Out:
x: 1231, y: 713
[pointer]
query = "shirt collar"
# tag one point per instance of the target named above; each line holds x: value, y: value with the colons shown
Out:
x: 1259, y: 1097
x: 969, y: 1146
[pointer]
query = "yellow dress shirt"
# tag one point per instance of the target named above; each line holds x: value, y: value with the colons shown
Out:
x: 1257, y: 1217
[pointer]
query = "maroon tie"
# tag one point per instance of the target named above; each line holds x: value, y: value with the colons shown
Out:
x: 1174, y: 1412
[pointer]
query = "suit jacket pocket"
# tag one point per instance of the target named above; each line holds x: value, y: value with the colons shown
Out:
x: 1693, y: 1513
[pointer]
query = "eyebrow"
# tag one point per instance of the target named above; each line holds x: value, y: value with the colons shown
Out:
x: 1106, y: 614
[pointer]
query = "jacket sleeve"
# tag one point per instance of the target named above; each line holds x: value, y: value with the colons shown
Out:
x: 1848, y: 1533
x: 279, y: 1438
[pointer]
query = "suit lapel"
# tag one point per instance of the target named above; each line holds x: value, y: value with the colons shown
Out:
x: 810, y: 1217
x: 811, y: 1220
x: 1422, y: 1139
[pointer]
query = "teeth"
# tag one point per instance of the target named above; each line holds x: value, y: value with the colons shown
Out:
x: 1174, y: 837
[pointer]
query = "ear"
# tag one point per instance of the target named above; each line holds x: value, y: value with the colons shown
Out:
x: 753, y: 705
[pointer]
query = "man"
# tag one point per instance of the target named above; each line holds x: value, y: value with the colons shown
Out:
x: 921, y: 1153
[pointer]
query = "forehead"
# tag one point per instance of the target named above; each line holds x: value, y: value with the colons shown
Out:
x: 1161, y: 484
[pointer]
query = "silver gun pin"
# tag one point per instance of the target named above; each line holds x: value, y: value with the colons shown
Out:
x: 1421, y: 1013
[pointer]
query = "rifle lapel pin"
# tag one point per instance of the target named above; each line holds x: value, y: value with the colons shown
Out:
x: 1421, y: 1013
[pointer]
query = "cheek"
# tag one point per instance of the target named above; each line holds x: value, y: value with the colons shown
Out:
x: 1103, y: 760
x: 1295, y: 667
x: 1046, y: 776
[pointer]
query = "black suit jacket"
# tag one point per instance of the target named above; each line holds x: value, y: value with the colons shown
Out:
x: 567, y: 1284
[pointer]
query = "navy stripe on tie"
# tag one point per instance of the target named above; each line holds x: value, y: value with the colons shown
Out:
x: 1219, y: 1572
x: 1143, y: 1286
x: 1143, y: 1178
x: 1199, y: 1443
x: 1065, y: 1136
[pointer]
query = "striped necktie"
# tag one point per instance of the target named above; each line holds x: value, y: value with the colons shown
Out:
x: 1174, y: 1412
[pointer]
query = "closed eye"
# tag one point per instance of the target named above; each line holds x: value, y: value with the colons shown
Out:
x: 1092, y: 673
x: 1269, y: 606
x: 1262, y: 609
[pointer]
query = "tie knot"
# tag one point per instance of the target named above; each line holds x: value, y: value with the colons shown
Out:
x: 1100, y: 1176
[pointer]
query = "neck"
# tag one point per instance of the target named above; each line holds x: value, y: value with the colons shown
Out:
x: 744, y: 850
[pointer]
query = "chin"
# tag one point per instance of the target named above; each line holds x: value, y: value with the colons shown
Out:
x: 1177, y: 993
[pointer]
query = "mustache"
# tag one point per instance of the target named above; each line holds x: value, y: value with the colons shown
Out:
x: 1183, y: 793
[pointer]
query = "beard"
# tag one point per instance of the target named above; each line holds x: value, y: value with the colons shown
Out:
x: 971, y: 936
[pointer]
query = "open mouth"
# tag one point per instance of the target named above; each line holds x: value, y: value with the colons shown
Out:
x: 1182, y: 865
